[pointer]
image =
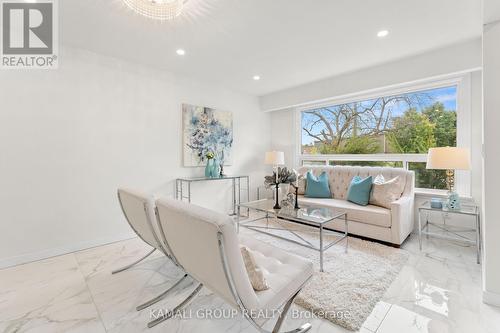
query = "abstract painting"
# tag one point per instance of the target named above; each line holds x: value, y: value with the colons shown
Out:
x: 204, y: 131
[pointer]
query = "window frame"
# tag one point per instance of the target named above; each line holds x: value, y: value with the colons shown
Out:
x: 461, y: 81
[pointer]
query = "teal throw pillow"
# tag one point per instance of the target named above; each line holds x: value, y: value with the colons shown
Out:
x: 317, y: 187
x: 359, y: 190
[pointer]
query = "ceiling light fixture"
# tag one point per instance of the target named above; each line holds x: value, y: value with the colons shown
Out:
x: 256, y: 77
x: 382, y: 33
x: 157, y: 9
x: 180, y: 52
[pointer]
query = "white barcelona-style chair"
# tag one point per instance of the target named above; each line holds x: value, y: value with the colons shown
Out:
x: 139, y: 212
x: 206, y: 246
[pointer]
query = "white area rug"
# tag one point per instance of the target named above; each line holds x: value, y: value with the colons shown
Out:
x: 352, y: 283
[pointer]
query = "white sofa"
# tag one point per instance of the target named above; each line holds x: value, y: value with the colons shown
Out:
x: 387, y: 225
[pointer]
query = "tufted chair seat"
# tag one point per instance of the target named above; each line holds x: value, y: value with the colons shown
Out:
x: 284, y: 272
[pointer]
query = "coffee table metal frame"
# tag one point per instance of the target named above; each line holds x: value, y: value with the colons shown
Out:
x: 285, y: 215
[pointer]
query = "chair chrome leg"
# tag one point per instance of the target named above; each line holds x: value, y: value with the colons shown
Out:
x: 161, y: 296
x: 304, y: 328
x: 176, y: 309
x: 301, y: 329
x: 134, y: 263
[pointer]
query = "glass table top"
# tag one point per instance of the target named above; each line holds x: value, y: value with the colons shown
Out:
x: 197, y: 179
x: 307, y: 213
x: 466, y: 208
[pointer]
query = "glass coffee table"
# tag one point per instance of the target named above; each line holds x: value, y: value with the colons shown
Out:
x: 308, y: 215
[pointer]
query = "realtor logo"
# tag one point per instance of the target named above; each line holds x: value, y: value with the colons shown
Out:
x: 29, y: 34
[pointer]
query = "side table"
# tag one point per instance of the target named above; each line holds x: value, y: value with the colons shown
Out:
x: 451, y: 232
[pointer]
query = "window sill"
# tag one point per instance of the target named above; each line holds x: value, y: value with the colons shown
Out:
x: 428, y: 192
x: 432, y: 193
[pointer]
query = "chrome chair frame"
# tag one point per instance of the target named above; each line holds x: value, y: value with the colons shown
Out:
x: 148, y: 218
x: 304, y: 328
x: 134, y: 263
x: 191, y: 296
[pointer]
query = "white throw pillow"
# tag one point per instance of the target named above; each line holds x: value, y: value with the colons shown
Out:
x: 385, y: 192
x: 301, y: 185
x: 255, y: 274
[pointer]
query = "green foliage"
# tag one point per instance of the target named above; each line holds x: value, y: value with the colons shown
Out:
x: 416, y: 132
x: 445, y: 130
x: 370, y: 163
x: 353, y: 145
x: 425, y: 178
x: 413, y: 132
x: 360, y: 145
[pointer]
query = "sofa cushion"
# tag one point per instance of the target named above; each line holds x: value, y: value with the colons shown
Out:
x: 317, y: 187
x: 366, y: 214
x: 301, y: 185
x: 340, y: 176
x: 359, y: 190
x: 385, y: 192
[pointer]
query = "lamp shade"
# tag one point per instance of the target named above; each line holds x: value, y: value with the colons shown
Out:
x: 275, y: 158
x: 448, y: 158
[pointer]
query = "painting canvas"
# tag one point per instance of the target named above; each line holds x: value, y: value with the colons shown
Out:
x: 206, y: 130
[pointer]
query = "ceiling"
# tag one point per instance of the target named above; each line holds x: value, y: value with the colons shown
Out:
x: 491, y: 11
x: 286, y: 42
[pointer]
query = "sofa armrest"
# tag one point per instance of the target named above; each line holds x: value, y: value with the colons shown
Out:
x: 402, y: 216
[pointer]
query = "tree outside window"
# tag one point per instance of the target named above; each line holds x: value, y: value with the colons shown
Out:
x: 403, y: 124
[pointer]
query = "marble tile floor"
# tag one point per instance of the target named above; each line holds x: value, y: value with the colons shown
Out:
x: 438, y: 290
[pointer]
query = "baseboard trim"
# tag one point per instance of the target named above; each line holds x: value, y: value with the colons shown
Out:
x: 54, y: 252
x: 491, y: 298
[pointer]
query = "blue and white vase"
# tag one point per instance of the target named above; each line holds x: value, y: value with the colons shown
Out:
x: 453, y: 202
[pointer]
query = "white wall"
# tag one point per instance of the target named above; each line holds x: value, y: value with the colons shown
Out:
x: 491, y: 161
x: 452, y: 59
x: 70, y: 137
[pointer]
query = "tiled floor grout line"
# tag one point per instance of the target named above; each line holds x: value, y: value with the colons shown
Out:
x: 385, y: 316
x: 90, y: 293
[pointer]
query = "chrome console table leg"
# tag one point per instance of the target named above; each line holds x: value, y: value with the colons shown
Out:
x: 238, y: 219
x: 419, y: 230
x: 478, y: 239
x: 248, y: 194
x: 181, y: 183
x: 234, y: 195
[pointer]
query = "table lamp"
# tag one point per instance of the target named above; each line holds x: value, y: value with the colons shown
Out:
x: 275, y: 158
x: 449, y: 159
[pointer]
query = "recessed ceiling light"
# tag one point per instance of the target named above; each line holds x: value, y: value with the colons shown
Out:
x: 382, y: 33
x: 180, y: 52
x: 256, y: 77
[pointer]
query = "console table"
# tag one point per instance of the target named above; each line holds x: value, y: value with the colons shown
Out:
x: 183, y: 187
